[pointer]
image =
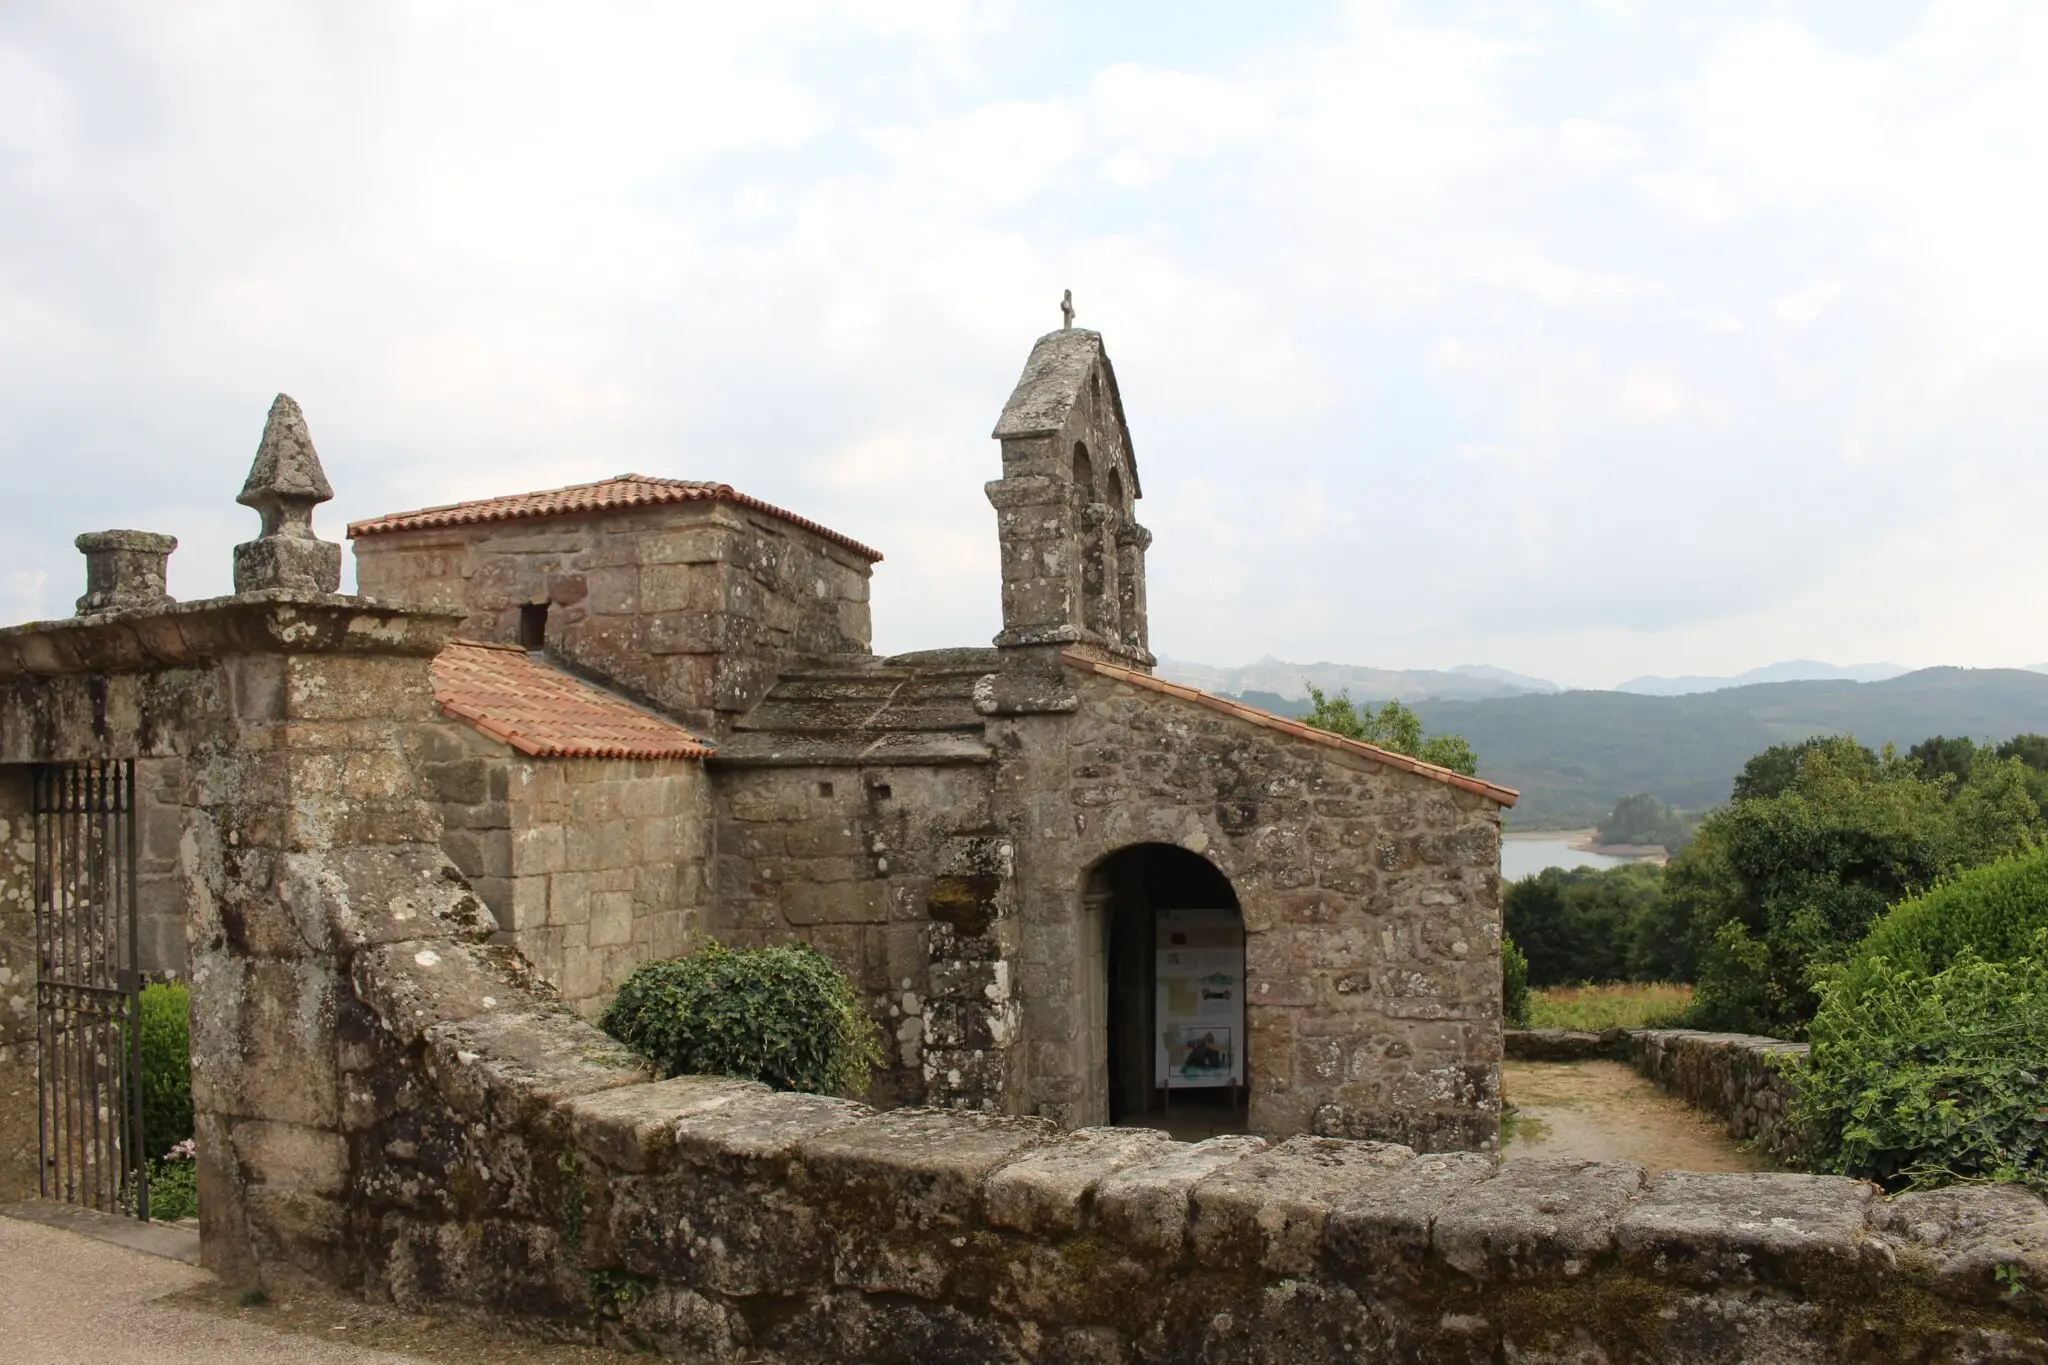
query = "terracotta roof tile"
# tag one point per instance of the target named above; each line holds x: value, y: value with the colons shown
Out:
x: 625, y: 490
x: 540, y: 710
x: 1506, y: 796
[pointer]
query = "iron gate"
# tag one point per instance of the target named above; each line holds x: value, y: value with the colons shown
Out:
x: 88, y: 988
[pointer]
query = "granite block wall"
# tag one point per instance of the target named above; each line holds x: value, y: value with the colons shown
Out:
x: 591, y: 866
x: 862, y: 863
x: 534, y: 1176
x: 693, y: 606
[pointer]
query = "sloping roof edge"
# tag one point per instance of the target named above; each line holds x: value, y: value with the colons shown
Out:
x: 632, y: 490
x: 488, y: 705
x: 1505, y: 796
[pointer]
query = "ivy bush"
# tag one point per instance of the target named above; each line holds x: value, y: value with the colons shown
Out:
x: 784, y: 1015
x: 166, y: 1068
x: 1921, y: 1079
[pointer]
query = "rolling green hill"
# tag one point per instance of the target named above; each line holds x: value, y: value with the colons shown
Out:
x: 1574, y: 754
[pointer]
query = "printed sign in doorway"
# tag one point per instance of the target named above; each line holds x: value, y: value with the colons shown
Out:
x: 1200, y: 971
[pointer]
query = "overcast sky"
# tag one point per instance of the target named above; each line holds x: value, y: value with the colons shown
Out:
x: 1582, y: 338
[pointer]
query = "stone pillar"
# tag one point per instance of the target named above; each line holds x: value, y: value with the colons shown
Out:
x: 1132, y: 540
x: 124, y: 570
x: 971, y: 1015
x: 308, y: 827
x: 18, y: 1140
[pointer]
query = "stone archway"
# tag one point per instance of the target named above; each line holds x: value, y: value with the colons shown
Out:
x: 1166, y: 992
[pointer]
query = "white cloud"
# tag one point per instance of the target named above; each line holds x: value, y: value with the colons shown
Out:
x: 1438, y: 343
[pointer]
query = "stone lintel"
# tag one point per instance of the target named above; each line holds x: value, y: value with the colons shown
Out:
x: 190, y: 634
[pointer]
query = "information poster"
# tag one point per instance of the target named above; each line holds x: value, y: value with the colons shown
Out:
x: 1201, y: 999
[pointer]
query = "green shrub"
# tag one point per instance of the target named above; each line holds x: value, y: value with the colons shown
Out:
x: 1919, y: 1079
x: 1514, y: 984
x: 1995, y: 911
x: 783, y: 1015
x: 166, y: 1068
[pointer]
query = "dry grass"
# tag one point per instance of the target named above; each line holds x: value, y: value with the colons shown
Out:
x: 1634, y: 1004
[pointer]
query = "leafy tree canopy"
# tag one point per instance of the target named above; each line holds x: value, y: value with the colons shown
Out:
x: 1393, y: 727
x: 1780, y: 886
x: 1643, y: 820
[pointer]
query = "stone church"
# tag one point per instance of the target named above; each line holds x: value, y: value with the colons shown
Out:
x: 1069, y: 888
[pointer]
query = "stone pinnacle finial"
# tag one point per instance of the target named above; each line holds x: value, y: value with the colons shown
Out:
x: 285, y: 484
x: 1066, y: 310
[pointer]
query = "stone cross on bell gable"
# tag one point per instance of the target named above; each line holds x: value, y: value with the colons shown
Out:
x: 285, y: 484
x: 1067, y: 310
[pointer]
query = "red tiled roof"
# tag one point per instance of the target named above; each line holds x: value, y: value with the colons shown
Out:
x: 625, y: 490
x: 540, y: 710
x: 1506, y: 796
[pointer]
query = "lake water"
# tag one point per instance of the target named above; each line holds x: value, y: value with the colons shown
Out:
x: 1524, y: 857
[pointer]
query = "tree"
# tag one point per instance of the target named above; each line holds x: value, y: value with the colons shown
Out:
x: 1782, y: 886
x: 1393, y: 727
x: 1587, y: 924
x: 1940, y: 756
x: 1643, y: 820
x: 1776, y: 769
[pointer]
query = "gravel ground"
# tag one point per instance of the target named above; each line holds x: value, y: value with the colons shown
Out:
x: 67, y: 1299
x: 1604, y: 1111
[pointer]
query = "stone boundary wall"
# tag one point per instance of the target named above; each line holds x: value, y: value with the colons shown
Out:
x: 517, y: 1165
x: 1740, y: 1078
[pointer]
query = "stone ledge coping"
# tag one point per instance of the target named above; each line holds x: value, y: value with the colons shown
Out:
x: 1565, y: 1045
x: 793, y: 1195
x: 185, y: 634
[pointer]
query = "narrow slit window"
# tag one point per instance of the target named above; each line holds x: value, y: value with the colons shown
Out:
x: 533, y: 626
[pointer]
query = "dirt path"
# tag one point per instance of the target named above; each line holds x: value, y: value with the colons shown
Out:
x: 69, y: 1299
x: 1604, y: 1111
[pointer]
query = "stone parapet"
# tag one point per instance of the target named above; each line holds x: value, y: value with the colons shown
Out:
x: 1743, y: 1079
x: 717, y: 1220
x: 1566, y: 1045
x: 193, y: 634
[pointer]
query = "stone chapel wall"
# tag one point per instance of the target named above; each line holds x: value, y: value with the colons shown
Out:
x: 591, y: 866
x: 694, y: 606
x: 1370, y: 897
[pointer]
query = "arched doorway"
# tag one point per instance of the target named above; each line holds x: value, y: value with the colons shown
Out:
x: 1172, y: 1006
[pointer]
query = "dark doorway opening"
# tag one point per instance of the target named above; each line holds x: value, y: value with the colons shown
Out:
x: 1148, y: 894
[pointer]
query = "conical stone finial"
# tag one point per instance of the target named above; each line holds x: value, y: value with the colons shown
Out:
x: 285, y: 484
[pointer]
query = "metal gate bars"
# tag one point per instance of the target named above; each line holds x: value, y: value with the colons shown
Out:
x: 88, y: 990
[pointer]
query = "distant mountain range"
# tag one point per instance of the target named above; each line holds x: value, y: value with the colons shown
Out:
x: 1278, y: 678
x: 1790, y: 670
x: 1572, y: 755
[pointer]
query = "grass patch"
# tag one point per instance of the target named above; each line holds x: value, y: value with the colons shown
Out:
x: 1628, y: 1004
x: 1515, y: 1124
